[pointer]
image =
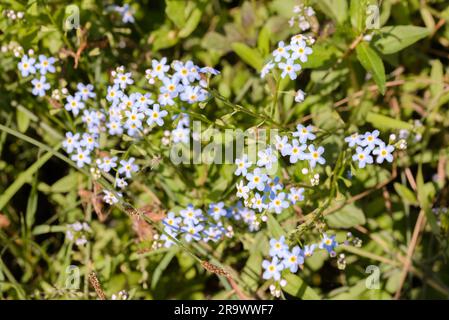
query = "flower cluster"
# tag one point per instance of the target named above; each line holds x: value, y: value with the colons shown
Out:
x: 121, y: 295
x: 132, y: 114
x: 288, y: 57
x: 285, y: 259
x: 261, y: 192
x: 125, y: 11
x: 369, y: 145
x: 303, y: 16
x: 192, y: 224
x: 78, y: 232
x: 28, y: 65
x: 13, y: 15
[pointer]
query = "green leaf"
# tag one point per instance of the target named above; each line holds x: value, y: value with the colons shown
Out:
x: 322, y: 55
x: 335, y: 9
x: 405, y: 193
x: 383, y: 122
x: 162, y: 266
x: 298, y: 288
x: 263, y: 41
x: 250, y: 55
x: 426, y: 193
x: 392, y: 39
x: 32, y: 203
x: 347, y: 217
x: 191, y: 24
x: 437, y: 75
x: 22, y: 178
x: 23, y: 120
x: 175, y: 11
x: 65, y: 184
x: 357, y: 12
x: 274, y: 227
x: 371, y: 61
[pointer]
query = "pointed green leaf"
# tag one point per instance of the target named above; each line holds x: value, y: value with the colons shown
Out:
x: 371, y: 61
x: 250, y: 55
x: 392, y: 39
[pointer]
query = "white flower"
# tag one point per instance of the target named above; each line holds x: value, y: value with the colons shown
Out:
x: 300, y: 96
x: 242, y: 190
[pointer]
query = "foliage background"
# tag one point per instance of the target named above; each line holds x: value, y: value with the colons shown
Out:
x: 40, y: 194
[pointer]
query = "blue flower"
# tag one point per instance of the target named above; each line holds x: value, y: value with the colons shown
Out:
x: 370, y: 140
x: 315, y: 157
x: 328, y: 243
x: 289, y: 68
x: 74, y: 104
x: 85, y: 92
x: 295, y: 151
x: 216, y: 210
x: 363, y: 156
x: 114, y: 94
x: 273, y: 269
x: 296, y: 195
x: 256, y: 180
x: 123, y: 80
x: 106, y: 164
x: 40, y: 86
x: 71, y: 142
x: 172, y: 222
x: 383, y: 152
x: 191, y: 215
x: 81, y: 157
x: 26, y: 66
x: 192, y: 232
x: 353, y: 139
x: 45, y: 64
x: 128, y: 167
x: 159, y: 68
x: 279, y: 203
x: 282, y: 51
x: 304, y: 133
x: 293, y: 259
x: 258, y: 202
x: 308, y: 250
x: 278, y: 248
x: 155, y: 115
